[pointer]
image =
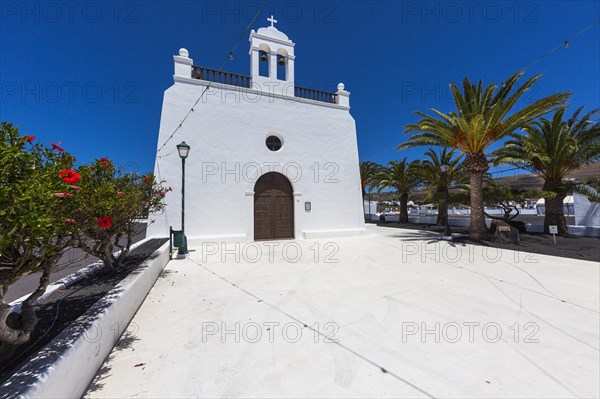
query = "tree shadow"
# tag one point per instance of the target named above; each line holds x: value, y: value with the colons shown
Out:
x: 431, y: 237
x: 166, y: 273
x: 125, y: 342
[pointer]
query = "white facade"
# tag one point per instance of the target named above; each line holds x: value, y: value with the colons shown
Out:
x: 587, y: 213
x: 227, y: 131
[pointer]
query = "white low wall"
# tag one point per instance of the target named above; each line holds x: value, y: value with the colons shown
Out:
x: 67, y: 365
x: 579, y: 231
x: 490, y: 211
x: 584, y: 231
x: 455, y: 222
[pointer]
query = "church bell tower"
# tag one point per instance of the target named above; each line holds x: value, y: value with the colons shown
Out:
x: 271, y: 56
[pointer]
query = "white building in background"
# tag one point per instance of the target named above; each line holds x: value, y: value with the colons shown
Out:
x: 268, y: 159
x: 568, y: 206
x: 370, y: 210
x: 587, y: 213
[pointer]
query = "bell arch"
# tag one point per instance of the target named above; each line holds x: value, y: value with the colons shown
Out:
x: 282, y: 64
x: 264, y: 60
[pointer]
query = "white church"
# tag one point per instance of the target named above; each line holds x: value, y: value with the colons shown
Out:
x: 268, y: 159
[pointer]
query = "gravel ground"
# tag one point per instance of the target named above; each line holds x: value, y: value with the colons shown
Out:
x: 584, y: 248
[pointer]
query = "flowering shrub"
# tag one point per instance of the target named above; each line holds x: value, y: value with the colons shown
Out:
x: 109, y: 203
x: 35, y: 198
x: 47, y: 206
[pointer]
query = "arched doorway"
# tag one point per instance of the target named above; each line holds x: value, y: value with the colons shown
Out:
x: 273, y: 207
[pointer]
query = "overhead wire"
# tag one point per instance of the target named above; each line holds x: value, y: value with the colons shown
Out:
x: 227, y: 58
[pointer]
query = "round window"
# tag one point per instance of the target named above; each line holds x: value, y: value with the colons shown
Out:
x: 273, y: 143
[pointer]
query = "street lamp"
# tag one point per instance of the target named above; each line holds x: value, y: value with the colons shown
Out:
x: 183, y: 150
x: 447, y: 234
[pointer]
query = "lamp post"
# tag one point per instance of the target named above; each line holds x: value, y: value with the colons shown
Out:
x: 183, y: 150
x: 447, y: 234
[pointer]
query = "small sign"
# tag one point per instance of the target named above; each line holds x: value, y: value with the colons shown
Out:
x: 503, y: 228
x: 554, y: 231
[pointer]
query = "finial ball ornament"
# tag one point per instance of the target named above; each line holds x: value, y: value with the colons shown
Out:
x: 183, y: 52
x: 341, y: 86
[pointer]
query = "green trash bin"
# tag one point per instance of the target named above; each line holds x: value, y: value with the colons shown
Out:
x: 178, y: 238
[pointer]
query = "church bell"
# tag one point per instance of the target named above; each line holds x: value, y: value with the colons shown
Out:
x: 281, y: 60
x: 263, y: 56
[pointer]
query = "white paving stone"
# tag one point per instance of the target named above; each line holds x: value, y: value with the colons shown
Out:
x: 381, y: 286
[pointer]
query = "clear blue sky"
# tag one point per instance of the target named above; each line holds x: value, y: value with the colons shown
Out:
x: 91, y: 75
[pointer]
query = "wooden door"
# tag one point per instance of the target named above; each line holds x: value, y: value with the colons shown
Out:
x: 273, y: 207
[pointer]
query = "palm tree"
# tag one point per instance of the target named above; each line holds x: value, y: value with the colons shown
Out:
x: 432, y: 175
x: 402, y: 176
x: 551, y: 149
x: 368, y: 181
x: 482, y: 117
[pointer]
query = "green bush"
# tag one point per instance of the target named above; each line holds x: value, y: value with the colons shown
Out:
x: 35, y: 201
x: 47, y: 205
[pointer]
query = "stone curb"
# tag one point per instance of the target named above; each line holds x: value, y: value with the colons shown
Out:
x: 69, y: 280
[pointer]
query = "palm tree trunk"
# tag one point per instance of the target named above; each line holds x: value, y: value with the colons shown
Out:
x: 476, y: 165
x: 478, y: 228
x: 403, y: 209
x: 555, y: 214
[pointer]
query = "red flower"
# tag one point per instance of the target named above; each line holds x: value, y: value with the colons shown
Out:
x: 76, y: 188
x: 120, y: 193
x: 160, y: 192
x: 69, y: 220
x: 70, y: 176
x: 63, y: 195
x: 104, y: 222
x: 170, y: 189
x: 57, y: 147
x: 91, y: 167
x: 105, y: 163
x: 145, y: 178
x: 29, y: 138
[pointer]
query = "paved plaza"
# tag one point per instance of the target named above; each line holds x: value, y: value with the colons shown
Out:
x: 394, y: 314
